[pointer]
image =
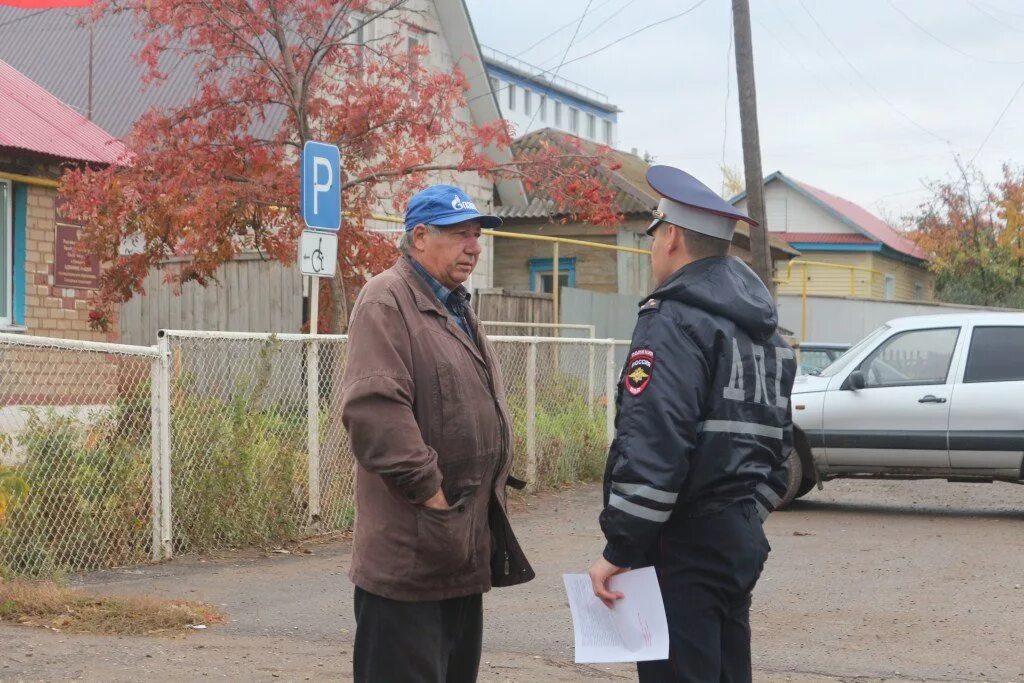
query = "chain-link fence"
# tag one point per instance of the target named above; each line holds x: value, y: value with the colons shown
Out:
x: 258, y: 452
x: 112, y: 455
x: 77, y: 455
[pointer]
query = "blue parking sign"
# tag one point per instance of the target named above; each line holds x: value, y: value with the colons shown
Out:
x: 320, y: 176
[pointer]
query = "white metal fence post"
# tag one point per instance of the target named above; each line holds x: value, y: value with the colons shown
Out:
x: 313, y: 401
x: 166, y: 539
x: 313, y: 412
x: 590, y: 378
x: 531, y: 416
x: 609, y: 381
x: 155, y: 452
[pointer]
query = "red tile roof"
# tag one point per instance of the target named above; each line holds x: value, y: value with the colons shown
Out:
x: 865, y: 220
x: 34, y: 120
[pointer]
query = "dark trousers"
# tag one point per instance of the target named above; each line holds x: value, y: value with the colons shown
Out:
x: 707, y: 567
x: 417, y: 642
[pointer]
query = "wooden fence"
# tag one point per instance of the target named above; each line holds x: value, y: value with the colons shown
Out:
x: 512, y: 306
x: 252, y: 295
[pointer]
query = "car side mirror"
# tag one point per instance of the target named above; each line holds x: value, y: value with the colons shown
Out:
x: 856, y: 380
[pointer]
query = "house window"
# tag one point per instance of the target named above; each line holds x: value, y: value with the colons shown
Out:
x: 543, y: 107
x: 607, y: 132
x: 558, y: 114
x: 6, y: 258
x: 511, y: 97
x: 918, y: 291
x: 413, y: 43
x: 542, y: 274
x: 591, y: 127
x: 574, y: 121
x: 527, y: 101
x: 363, y: 33
x: 890, y: 286
x: 494, y: 85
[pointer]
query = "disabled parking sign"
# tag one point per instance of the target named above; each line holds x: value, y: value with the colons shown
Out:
x: 320, y: 178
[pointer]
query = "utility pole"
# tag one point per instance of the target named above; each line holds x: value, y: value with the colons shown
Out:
x: 759, y: 247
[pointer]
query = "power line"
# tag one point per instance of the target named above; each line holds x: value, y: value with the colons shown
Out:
x: 868, y: 83
x: 544, y: 72
x: 1002, y: 22
x: 558, y: 30
x: 596, y: 28
x: 838, y: 94
x: 944, y: 43
x: 606, y: 19
x: 565, y: 54
x: 21, y: 18
x: 998, y: 120
x: 639, y: 30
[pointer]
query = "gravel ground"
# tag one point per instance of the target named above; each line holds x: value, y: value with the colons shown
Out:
x: 867, y: 581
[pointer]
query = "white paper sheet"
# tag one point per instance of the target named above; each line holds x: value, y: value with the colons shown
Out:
x: 634, y: 630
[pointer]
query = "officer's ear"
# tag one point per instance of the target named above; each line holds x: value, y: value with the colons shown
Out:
x: 674, y: 237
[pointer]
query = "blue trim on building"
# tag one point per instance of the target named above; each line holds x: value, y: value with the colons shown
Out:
x: 545, y: 266
x: 552, y: 94
x: 20, y: 250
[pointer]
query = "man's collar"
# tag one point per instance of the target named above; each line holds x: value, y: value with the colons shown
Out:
x: 440, y: 291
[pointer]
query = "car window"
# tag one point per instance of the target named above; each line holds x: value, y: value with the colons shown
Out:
x: 839, y: 363
x: 814, y: 360
x: 995, y: 355
x: 908, y: 358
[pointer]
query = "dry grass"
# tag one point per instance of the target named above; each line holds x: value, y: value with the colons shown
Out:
x: 49, y: 605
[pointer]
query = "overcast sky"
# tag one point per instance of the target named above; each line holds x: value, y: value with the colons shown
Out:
x: 872, y: 138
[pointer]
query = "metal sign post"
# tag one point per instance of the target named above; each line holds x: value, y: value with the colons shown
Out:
x: 320, y: 180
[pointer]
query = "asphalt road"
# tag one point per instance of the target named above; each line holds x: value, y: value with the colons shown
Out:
x: 867, y: 581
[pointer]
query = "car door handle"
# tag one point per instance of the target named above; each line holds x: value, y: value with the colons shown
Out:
x: 931, y: 399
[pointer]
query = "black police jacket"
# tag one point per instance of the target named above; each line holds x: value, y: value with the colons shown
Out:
x: 704, y: 417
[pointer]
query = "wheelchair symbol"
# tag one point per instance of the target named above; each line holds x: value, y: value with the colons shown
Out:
x: 317, y: 257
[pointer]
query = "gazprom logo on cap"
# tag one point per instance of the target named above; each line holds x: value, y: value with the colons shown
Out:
x: 463, y: 205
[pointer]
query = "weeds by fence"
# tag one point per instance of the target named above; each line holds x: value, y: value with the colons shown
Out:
x: 114, y: 455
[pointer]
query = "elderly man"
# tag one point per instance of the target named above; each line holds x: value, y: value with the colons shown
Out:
x: 425, y: 409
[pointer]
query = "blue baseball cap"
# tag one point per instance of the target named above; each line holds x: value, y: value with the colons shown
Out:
x: 444, y: 205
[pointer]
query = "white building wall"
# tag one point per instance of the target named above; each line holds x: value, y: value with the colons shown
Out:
x: 512, y: 98
x: 423, y: 15
x: 786, y: 210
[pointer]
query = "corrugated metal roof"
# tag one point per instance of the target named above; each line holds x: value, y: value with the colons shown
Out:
x: 867, y: 221
x: 630, y: 198
x: 52, y: 48
x: 34, y: 120
x: 632, y: 193
x: 824, y: 237
x: 857, y: 217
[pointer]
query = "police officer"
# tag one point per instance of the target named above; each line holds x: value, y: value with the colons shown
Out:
x: 702, y: 436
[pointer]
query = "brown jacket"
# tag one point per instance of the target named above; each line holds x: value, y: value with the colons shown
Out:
x: 425, y: 408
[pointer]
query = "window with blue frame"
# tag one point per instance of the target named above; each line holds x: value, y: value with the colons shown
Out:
x: 542, y: 274
x: 13, y: 210
x: 6, y: 256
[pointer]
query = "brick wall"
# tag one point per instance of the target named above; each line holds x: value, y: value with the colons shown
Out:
x: 46, y: 377
x: 52, y: 311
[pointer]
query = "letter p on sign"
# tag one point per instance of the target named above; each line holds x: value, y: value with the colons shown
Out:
x: 320, y: 177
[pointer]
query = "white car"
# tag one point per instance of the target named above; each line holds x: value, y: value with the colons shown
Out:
x: 923, y: 397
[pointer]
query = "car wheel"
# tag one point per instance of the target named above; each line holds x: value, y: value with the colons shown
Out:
x: 806, y: 486
x: 796, y: 478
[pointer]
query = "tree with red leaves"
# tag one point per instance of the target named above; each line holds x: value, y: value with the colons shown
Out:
x: 219, y: 174
x: 973, y: 232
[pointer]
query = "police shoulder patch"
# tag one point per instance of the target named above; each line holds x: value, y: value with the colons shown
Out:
x: 639, y: 370
x: 650, y: 305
